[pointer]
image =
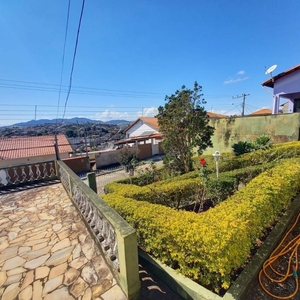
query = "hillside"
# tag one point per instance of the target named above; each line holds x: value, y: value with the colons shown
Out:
x: 72, y: 120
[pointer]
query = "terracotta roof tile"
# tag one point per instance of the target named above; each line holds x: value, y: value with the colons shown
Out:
x: 139, y: 138
x: 18, y: 147
x: 264, y: 111
x: 214, y: 115
x: 151, y: 121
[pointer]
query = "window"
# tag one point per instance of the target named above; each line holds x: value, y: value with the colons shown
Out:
x: 296, y: 105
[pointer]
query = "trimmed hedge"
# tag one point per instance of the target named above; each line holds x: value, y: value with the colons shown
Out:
x: 174, y: 193
x: 258, y: 157
x: 177, y: 192
x: 207, y: 247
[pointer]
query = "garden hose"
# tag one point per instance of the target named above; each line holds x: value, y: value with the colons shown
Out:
x: 290, y: 249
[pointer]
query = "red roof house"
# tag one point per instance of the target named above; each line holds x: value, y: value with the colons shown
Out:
x: 143, y: 133
x: 22, y: 150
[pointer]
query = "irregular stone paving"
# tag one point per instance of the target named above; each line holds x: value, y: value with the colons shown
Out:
x: 46, y: 251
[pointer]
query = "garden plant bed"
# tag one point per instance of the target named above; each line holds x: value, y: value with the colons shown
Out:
x: 246, y: 285
x: 210, y: 248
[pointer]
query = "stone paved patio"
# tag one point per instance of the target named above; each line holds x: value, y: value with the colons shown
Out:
x: 47, y: 253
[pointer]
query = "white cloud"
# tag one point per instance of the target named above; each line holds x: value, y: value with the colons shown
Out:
x: 218, y: 111
x: 238, y: 79
x: 229, y: 112
x: 148, y: 112
x: 235, y: 80
x: 108, y: 115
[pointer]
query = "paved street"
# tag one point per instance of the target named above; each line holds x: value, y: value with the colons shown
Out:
x: 109, y: 176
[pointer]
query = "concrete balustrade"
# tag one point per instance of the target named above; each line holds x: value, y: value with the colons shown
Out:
x: 116, y: 238
x: 11, y: 176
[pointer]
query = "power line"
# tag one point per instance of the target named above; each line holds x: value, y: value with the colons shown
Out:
x: 79, y: 106
x: 74, y: 56
x: 231, y: 109
x: 13, y: 111
x: 243, y: 103
x: 29, y: 148
x: 248, y: 110
x: 48, y: 87
x: 74, y: 87
x: 86, y: 91
x: 63, y: 58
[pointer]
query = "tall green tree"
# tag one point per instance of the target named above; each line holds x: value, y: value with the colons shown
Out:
x: 184, y: 124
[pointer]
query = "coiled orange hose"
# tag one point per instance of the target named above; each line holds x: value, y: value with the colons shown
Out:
x: 268, y: 270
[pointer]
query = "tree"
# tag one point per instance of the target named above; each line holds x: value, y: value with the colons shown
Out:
x: 184, y: 124
x: 70, y: 133
x: 127, y: 157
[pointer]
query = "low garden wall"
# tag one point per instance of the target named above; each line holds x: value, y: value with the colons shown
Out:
x: 78, y: 164
x: 281, y: 128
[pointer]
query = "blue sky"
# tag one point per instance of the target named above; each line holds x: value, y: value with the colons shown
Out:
x: 132, y: 53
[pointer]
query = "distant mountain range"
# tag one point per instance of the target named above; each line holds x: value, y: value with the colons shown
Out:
x: 72, y: 120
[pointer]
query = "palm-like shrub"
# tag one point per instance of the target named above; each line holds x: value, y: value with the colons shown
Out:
x: 242, y: 147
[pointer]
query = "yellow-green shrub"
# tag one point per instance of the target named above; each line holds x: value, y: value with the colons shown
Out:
x: 275, y: 153
x: 207, y: 247
x: 170, y: 193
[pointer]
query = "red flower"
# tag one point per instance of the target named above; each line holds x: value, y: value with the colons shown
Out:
x: 153, y: 167
x: 202, y: 161
x: 146, y: 168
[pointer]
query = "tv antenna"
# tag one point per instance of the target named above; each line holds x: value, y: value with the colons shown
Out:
x: 270, y: 70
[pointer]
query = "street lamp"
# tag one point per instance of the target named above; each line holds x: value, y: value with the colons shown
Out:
x: 216, y: 156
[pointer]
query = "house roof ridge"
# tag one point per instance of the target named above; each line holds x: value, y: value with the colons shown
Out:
x: 30, y: 146
x: 270, y: 82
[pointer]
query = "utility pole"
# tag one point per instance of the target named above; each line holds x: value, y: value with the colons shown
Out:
x: 78, y: 134
x: 244, y: 100
x: 56, y: 147
x: 86, y: 149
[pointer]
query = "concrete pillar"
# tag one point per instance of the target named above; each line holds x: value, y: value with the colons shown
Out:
x: 91, y: 177
x: 291, y: 106
x: 276, y: 101
x: 129, y: 265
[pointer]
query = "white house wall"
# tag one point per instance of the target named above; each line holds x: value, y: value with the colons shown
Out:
x: 138, y: 128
